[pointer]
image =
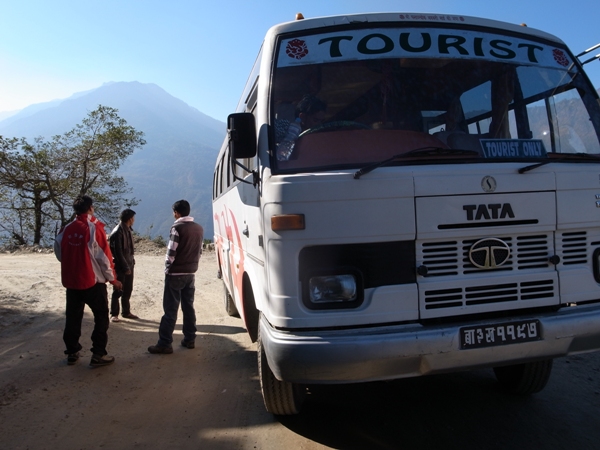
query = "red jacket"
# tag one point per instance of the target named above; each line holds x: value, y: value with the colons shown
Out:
x: 84, y: 253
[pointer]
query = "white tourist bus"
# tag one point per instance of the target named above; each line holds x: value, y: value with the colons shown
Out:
x: 439, y: 210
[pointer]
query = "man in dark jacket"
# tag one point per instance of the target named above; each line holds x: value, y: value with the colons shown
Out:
x: 121, y: 246
x: 183, y: 254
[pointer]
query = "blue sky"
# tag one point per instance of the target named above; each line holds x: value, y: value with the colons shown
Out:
x: 202, y: 50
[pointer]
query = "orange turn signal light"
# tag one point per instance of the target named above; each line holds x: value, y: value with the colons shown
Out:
x: 287, y: 222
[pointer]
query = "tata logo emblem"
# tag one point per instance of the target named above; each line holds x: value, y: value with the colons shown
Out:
x: 489, y: 253
x: 488, y: 184
x: 490, y: 211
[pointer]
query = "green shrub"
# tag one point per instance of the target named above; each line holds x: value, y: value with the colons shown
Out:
x: 159, y: 240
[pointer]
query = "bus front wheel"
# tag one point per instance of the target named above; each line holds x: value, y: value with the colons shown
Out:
x: 281, y: 397
x: 524, y: 379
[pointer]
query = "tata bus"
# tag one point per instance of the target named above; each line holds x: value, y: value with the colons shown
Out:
x: 406, y: 194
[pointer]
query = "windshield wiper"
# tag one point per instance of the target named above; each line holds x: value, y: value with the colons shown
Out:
x: 565, y: 157
x: 423, y: 151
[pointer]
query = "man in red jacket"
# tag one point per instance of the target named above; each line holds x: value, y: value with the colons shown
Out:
x: 86, y: 266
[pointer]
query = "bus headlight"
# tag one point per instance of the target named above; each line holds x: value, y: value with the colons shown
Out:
x: 332, y: 288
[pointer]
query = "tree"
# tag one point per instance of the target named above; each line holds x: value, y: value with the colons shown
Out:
x: 39, y: 181
x: 22, y: 173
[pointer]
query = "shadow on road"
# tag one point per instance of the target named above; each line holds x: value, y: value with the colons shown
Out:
x: 465, y: 410
x: 209, y: 397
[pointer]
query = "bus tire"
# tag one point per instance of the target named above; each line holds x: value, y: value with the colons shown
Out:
x: 524, y: 379
x: 229, y: 303
x: 281, y: 397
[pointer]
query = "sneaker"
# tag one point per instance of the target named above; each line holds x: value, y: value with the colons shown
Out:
x: 115, y: 319
x: 101, y: 360
x: 188, y: 344
x: 72, y: 358
x: 130, y: 316
x: 159, y: 349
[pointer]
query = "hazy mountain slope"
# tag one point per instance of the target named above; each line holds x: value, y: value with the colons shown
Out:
x: 176, y: 162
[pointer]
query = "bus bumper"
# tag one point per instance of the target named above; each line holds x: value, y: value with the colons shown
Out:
x: 399, y: 351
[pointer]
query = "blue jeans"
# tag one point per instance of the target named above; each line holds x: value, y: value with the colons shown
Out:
x: 178, y: 289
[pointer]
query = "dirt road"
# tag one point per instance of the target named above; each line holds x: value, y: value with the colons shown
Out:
x: 209, y: 397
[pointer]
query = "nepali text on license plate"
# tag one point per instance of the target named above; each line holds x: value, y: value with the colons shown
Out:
x: 500, y: 334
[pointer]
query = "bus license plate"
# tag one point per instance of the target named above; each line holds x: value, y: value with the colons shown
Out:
x: 500, y: 334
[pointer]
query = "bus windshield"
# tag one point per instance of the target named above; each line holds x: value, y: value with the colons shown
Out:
x: 356, y: 97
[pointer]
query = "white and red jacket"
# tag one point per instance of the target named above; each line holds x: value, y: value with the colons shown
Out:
x: 84, y: 253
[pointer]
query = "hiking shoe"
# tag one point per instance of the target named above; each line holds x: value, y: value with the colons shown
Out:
x: 115, y: 319
x: 72, y: 358
x: 130, y: 316
x: 101, y: 360
x: 188, y: 344
x: 159, y: 349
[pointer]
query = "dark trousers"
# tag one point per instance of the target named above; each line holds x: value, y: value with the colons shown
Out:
x: 178, y: 289
x: 96, y: 298
x: 125, y: 294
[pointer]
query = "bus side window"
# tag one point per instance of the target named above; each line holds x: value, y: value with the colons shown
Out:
x: 215, y: 193
x: 218, y: 186
x: 222, y: 185
x: 227, y: 163
x: 251, y: 105
x: 252, y: 97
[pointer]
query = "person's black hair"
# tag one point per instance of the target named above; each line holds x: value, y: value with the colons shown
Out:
x: 310, y: 105
x: 82, y: 204
x: 127, y: 214
x: 182, y: 207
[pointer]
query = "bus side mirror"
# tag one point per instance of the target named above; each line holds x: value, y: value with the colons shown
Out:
x: 241, y: 128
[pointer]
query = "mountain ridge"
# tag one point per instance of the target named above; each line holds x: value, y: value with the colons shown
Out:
x: 177, y: 161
